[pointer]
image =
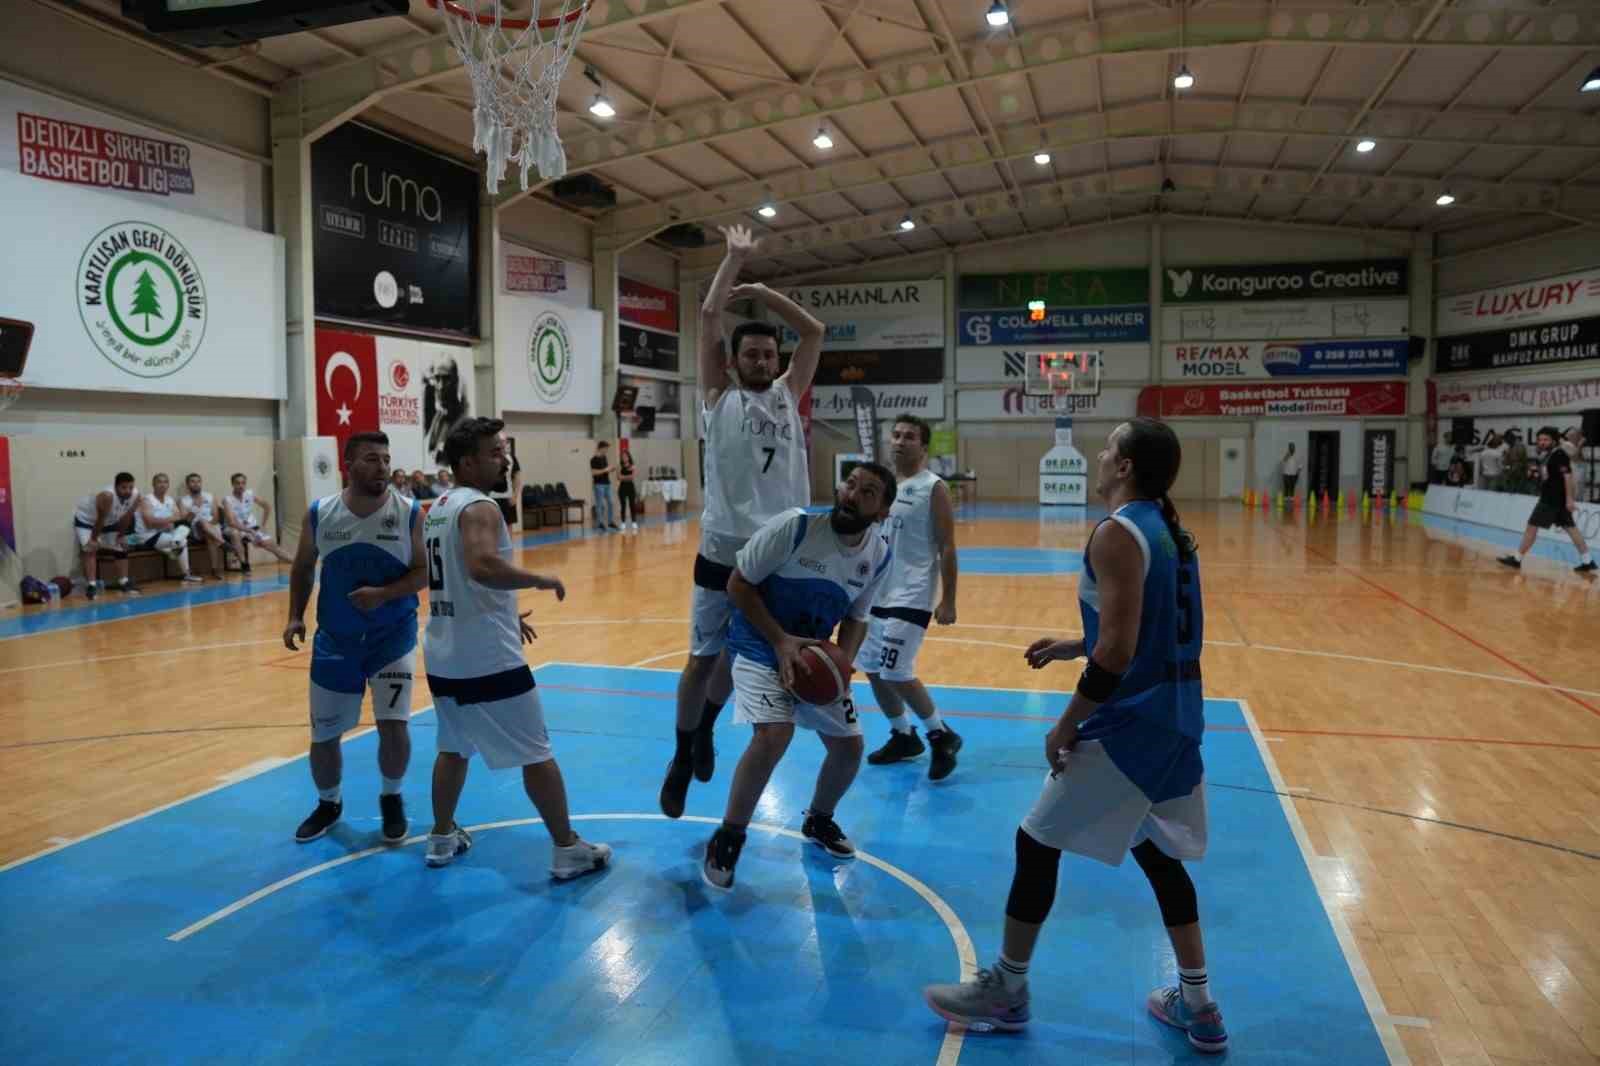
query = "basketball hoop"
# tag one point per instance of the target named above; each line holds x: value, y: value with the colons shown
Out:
x: 10, y: 392
x: 516, y: 65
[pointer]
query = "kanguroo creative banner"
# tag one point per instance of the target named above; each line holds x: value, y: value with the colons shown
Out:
x: 141, y: 299
x: 1519, y: 397
x: 1534, y: 345
x: 546, y: 357
x: 1546, y: 300
x: 1359, y: 398
x: 1263, y: 359
x: 396, y: 233
x: 1288, y: 320
x: 875, y: 315
x: 1285, y: 281
x: 414, y: 391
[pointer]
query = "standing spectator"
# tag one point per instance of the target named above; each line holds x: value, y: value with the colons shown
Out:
x: 627, y: 493
x: 1557, y: 499
x: 158, y: 525
x: 1491, y: 461
x: 1515, y: 477
x: 101, y: 521
x: 1582, y: 462
x: 1442, y: 453
x: 1291, y: 471
x: 600, y: 464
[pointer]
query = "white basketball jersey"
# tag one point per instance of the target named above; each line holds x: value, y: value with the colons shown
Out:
x: 243, y: 509
x: 913, y: 574
x: 204, y: 507
x: 756, y: 464
x: 86, y: 508
x: 472, y: 630
x: 159, y: 508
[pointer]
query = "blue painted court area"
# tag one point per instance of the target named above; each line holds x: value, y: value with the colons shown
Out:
x: 115, y: 607
x: 370, y: 957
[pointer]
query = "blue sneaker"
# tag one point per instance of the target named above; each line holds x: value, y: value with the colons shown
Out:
x: 1204, y: 1025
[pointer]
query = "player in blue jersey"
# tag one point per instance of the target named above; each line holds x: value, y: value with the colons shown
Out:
x: 370, y: 541
x: 797, y: 578
x: 1125, y: 768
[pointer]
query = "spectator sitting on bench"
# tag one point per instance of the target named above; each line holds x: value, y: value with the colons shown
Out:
x: 158, y: 526
x: 200, y: 512
x: 243, y: 528
x: 101, y: 520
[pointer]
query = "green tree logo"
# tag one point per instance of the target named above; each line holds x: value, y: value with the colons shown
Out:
x: 551, y: 361
x: 550, y: 358
x: 145, y: 300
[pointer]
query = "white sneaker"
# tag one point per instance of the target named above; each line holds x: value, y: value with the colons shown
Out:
x: 445, y: 849
x: 191, y: 579
x: 577, y: 859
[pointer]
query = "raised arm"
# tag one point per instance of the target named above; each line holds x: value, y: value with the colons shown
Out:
x: 712, y: 363
x: 803, y: 364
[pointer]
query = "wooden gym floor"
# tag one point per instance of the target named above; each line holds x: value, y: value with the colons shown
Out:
x: 1436, y: 721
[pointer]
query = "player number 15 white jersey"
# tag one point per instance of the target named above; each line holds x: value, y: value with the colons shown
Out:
x: 472, y: 629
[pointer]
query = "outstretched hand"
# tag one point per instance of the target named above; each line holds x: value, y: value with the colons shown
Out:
x: 1047, y: 650
x: 742, y: 244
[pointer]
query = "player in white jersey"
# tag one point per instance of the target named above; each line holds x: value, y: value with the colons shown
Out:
x: 755, y: 467
x: 370, y: 542
x: 158, y: 525
x: 200, y: 513
x: 101, y: 521
x: 922, y: 530
x: 796, y: 579
x: 483, y: 691
x: 242, y: 527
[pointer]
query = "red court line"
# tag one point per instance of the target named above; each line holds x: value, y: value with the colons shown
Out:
x: 1430, y: 616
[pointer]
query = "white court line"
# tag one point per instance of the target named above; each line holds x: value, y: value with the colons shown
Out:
x: 1381, y: 1019
x: 656, y: 659
x: 140, y: 655
x: 966, y: 954
x: 260, y: 766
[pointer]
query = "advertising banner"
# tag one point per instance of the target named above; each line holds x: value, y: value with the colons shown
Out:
x: 1264, y: 359
x: 1285, y: 281
x: 8, y: 518
x: 647, y: 305
x: 1288, y: 320
x: 1013, y: 405
x: 1360, y: 399
x: 1116, y: 324
x: 414, y: 391
x: 836, y: 403
x: 534, y: 273
x: 1057, y: 288
x: 81, y: 154
x: 1546, y: 344
x: 1000, y: 365
x: 546, y: 357
x: 141, y: 300
x: 875, y: 316
x: 1519, y: 397
x: 395, y: 233
x: 896, y: 366
x: 1377, y: 461
x: 1506, y: 510
x: 646, y: 349
x: 1546, y: 300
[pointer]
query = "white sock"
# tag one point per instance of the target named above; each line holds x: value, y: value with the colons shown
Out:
x: 1519, y: 556
x: 391, y: 786
x: 1585, y: 558
x: 1196, y: 989
x: 901, y: 723
x: 329, y: 794
x: 933, y: 723
x: 1013, y: 975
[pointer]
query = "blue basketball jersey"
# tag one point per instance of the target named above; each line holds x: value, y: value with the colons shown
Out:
x: 1161, y: 687
x: 807, y: 579
x: 360, y: 553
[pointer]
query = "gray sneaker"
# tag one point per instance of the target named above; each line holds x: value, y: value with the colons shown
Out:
x: 981, y: 1004
x: 578, y: 858
x: 445, y: 848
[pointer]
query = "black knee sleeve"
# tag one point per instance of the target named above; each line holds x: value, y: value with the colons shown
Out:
x: 1033, y: 885
x: 1174, y: 890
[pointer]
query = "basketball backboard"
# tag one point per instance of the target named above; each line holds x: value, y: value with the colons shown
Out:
x: 1063, y: 372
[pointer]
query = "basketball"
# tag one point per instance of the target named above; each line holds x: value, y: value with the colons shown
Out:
x: 822, y: 674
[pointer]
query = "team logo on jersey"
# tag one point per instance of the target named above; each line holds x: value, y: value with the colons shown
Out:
x: 550, y: 357
x: 861, y: 569
x: 141, y: 299
x: 389, y: 521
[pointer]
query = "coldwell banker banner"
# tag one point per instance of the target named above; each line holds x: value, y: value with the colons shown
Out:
x: 1532, y: 345
x: 546, y: 356
x: 396, y: 233
x: 875, y: 316
x: 140, y: 300
x: 1264, y: 359
x: 1545, y: 300
x: 1359, y: 398
x: 1081, y: 306
x: 1285, y: 281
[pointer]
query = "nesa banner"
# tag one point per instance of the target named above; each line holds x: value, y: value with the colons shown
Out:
x: 1361, y: 398
x: 147, y: 300
x: 1119, y: 324
x: 1057, y: 288
x: 646, y: 305
x: 395, y: 233
x: 414, y: 391
x: 1546, y: 300
x: 1285, y: 281
x: 1003, y: 365
x: 1525, y: 346
x: 1519, y: 397
x: 875, y: 315
x: 1264, y: 359
x: 1288, y: 320
x: 897, y: 366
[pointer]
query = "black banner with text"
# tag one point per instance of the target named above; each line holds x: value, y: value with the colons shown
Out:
x: 1546, y: 344
x: 897, y: 366
x: 646, y: 348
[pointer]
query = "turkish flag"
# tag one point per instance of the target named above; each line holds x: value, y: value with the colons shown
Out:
x: 347, y: 385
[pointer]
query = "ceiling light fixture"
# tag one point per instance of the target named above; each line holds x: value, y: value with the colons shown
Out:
x: 822, y: 140
x: 1445, y: 199
x: 1184, y: 80
x: 1365, y: 145
x: 997, y: 15
x: 1042, y: 158
x: 907, y: 225
x: 601, y: 107
x: 1591, y: 84
x: 767, y: 211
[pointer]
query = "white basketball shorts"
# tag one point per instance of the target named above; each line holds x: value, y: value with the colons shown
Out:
x: 891, y: 647
x: 507, y: 733
x: 759, y: 697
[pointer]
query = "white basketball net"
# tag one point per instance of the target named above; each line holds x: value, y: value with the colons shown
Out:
x: 516, y: 74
